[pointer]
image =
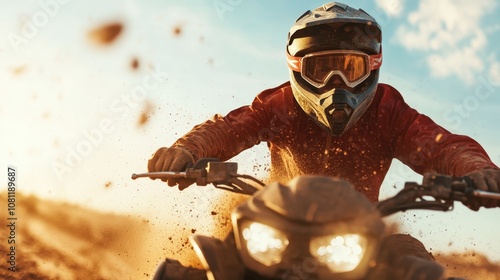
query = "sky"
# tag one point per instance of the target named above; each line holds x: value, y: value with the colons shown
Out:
x: 71, y: 109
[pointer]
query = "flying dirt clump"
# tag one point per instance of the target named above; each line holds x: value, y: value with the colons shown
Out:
x: 134, y: 64
x: 177, y: 30
x: 105, y: 34
x: 146, y: 113
x: 16, y: 71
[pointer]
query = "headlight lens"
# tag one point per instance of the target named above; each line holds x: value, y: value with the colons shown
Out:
x: 264, y: 243
x: 341, y: 253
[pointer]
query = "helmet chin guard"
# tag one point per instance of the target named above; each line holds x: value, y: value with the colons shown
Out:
x: 333, y: 28
x: 336, y: 110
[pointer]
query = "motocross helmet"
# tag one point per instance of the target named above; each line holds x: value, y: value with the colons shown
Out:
x: 334, y: 54
x: 315, y: 227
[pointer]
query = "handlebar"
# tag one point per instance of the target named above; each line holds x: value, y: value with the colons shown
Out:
x: 222, y: 175
x: 437, y: 192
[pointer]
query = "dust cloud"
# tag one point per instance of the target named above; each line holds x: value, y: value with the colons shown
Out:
x: 59, y: 240
x: 95, y: 245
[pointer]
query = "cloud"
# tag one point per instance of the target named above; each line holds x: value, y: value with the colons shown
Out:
x: 494, y: 75
x: 391, y: 7
x: 463, y: 62
x: 450, y: 31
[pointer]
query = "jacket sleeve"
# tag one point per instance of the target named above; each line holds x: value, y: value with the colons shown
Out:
x: 425, y: 146
x: 224, y: 137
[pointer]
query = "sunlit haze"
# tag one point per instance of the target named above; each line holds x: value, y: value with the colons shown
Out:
x: 79, y: 116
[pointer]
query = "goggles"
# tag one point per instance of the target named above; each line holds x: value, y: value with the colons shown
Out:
x: 317, y: 68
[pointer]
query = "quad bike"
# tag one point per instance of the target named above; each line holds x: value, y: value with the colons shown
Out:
x: 314, y: 228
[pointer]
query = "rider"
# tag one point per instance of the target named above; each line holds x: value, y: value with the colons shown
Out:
x: 333, y: 117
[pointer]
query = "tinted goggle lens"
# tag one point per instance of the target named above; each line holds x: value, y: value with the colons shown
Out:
x: 320, y: 68
x: 317, y: 68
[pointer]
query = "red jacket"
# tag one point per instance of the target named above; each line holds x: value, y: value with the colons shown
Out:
x: 389, y: 129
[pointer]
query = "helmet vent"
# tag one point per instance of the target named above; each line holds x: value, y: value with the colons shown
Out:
x: 335, y: 7
x: 339, y: 116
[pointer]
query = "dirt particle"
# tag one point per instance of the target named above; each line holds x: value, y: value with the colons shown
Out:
x: 134, y: 64
x: 193, y: 231
x: 19, y: 70
x: 107, y: 184
x: 213, y: 213
x: 438, y: 137
x: 143, y: 119
x: 145, y: 114
x: 105, y: 34
x: 177, y: 30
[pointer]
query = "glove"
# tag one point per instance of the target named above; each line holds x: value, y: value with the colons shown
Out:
x: 173, y: 269
x: 403, y: 257
x: 485, y: 180
x: 415, y: 268
x: 172, y: 159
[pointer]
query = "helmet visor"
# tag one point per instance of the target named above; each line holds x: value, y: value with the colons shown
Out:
x: 352, y: 66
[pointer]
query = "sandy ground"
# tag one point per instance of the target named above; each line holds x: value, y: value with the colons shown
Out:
x: 61, y: 241
x: 469, y: 265
x: 57, y: 240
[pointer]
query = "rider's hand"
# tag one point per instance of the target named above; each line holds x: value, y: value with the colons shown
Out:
x: 411, y: 268
x: 485, y: 180
x: 403, y: 257
x: 171, y: 159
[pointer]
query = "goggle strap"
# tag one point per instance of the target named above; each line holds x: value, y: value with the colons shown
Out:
x: 294, y: 62
x: 375, y: 61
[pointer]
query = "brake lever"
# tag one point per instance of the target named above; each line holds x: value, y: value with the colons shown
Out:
x: 199, y: 175
x: 197, y: 172
x: 160, y: 175
x: 415, y: 196
x: 485, y: 194
x: 237, y: 185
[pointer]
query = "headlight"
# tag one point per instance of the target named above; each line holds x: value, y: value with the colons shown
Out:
x: 341, y: 253
x: 265, y: 244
